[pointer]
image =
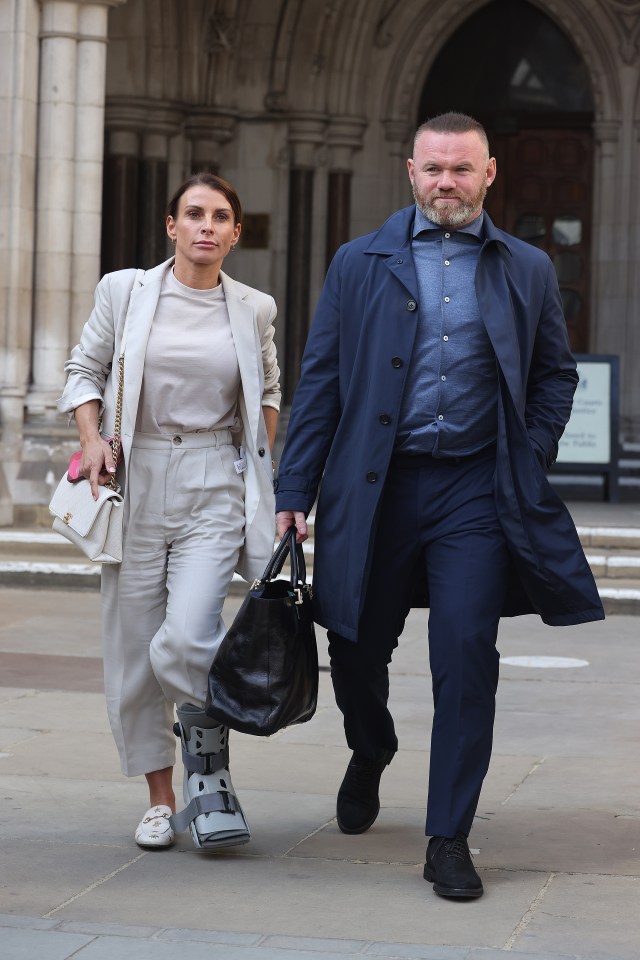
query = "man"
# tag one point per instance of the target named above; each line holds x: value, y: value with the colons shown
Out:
x: 435, y: 385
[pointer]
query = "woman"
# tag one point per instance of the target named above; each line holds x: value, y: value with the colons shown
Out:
x: 200, y: 407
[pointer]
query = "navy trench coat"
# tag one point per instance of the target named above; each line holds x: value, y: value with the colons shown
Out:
x: 345, y: 413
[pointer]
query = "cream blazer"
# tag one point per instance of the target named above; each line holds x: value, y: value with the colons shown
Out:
x: 93, y: 374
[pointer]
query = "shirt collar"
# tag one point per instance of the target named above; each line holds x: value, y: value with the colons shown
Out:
x: 422, y: 222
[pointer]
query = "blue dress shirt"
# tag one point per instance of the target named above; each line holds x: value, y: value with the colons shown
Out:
x: 449, y: 407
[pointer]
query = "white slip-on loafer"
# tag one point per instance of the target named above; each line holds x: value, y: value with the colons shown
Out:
x: 155, y: 830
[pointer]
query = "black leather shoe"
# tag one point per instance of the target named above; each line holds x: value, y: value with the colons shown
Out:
x: 450, y: 867
x: 358, y: 801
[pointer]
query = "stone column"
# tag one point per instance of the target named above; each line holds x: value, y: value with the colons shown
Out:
x: 136, y: 181
x: 152, y: 202
x: 120, y: 219
x: 606, y: 231
x: 89, y: 153
x: 306, y: 135
x: 19, y: 25
x: 344, y: 138
x: 208, y: 129
x: 69, y: 166
x: 397, y: 133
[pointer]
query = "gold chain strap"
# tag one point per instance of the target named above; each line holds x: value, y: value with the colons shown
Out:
x: 115, y: 446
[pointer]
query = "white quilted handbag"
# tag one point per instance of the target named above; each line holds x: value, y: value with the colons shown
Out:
x: 94, y: 526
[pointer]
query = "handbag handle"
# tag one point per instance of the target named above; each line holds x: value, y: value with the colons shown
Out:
x: 286, y: 546
x: 116, y: 442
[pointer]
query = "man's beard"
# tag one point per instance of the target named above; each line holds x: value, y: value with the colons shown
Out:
x: 450, y: 215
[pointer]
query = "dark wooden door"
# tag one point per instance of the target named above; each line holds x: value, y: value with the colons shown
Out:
x: 543, y: 194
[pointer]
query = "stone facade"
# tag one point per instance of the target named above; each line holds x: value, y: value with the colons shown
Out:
x: 307, y: 106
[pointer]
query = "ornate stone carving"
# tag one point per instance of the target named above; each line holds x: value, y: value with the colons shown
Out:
x: 383, y: 35
x: 221, y: 31
x: 626, y: 14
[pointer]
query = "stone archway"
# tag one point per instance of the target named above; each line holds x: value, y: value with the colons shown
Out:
x: 606, y: 36
x: 536, y: 103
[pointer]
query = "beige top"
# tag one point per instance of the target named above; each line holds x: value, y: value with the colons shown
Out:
x: 191, y: 377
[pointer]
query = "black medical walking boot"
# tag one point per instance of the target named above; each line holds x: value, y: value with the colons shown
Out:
x: 358, y: 801
x: 450, y: 867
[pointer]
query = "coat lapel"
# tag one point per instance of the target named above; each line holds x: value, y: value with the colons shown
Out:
x: 394, y: 240
x: 498, y: 313
x: 247, y: 344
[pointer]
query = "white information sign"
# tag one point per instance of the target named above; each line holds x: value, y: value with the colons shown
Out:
x: 587, y: 438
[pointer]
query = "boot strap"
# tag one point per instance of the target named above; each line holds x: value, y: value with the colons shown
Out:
x: 222, y: 802
x: 207, y: 763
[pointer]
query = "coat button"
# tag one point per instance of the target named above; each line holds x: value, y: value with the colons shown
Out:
x: 384, y: 419
x: 412, y: 305
x: 372, y: 477
x: 261, y: 451
x: 396, y: 362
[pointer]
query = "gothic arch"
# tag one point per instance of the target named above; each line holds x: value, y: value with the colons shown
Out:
x: 424, y: 35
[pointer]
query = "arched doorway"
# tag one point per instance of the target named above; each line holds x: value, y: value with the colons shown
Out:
x: 514, y: 69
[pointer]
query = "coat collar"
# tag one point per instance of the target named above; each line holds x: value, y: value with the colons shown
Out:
x: 395, y: 233
x: 393, y: 240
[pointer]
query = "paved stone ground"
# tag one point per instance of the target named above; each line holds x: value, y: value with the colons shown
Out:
x: 557, y: 836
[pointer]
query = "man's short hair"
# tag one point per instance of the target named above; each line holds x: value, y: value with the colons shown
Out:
x: 452, y: 123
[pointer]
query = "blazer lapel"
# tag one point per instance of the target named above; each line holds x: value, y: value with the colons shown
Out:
x: 247, y: 343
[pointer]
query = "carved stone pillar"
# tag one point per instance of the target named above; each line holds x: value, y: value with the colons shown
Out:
x: 69, y: 169
x: 208, y: 128
x: 305, y: 136
x: 344, y: 138
x: 398, y: 134
x: 606, y: 231
x: 120, y: 218
x: 136, y: 182
x: 19, y: 26
x: 89, y: 152
x: 152, y: 234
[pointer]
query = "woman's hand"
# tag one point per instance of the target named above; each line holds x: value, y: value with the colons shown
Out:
x: 97, y: 459
x: 97, y: 463
x: 290, y: 518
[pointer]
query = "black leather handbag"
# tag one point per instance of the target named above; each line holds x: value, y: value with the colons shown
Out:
x: 265, y: 674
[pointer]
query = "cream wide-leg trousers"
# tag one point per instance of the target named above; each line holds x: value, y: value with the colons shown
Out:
x: 162, y: 606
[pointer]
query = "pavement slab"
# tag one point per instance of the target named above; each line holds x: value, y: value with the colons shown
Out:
x: 556, y: 839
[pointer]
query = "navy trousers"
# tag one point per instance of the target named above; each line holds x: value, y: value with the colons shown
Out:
x: 440, y: 514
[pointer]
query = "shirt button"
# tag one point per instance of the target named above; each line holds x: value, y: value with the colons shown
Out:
x: 445, y: 338
x: 399, y: 260
x: 372, y: 477
x: 443, y: 378
x: 447, y: 235
x: 261, y: 451
x: 440, y: 417
x: 446, y: 299
x: 384, y: 419
x: 177, y: 441
x: 412, y: 305
x: 446, y: 263
x: 396, y: 362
